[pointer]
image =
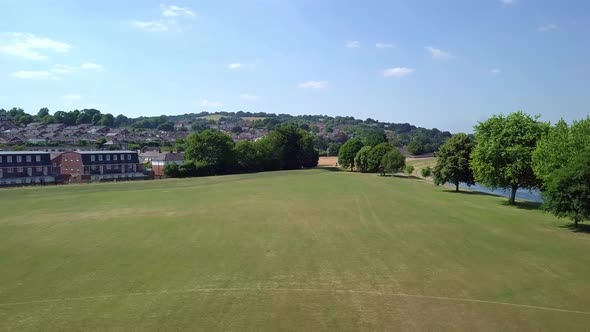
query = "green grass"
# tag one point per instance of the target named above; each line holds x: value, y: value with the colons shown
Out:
x: 302, y: 250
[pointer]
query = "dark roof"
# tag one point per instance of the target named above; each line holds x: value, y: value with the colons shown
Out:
x: 105, y: 152
x: 22, y: 152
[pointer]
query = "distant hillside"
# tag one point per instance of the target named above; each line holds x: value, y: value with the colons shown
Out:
x: 331, y: 131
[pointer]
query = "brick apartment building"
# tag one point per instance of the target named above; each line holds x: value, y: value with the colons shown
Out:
x: 25, y: 168
x: 86, y: 166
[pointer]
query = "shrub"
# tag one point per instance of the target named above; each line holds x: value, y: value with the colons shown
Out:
x: 409, y: 169
x: 426, y: 171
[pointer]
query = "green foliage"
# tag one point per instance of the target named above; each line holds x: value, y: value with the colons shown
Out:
x: 409, y: 169
x: 452, y: 163
x: 347, y: 153
x: 373, y: 137
x: 560, y: 146
x: 415, y: 147
x: 100, y: 142
x: 361, y: 160
x: 212, y: 147
x: 375, y: 158
x: 334, y: 149
x: 567, y: 190
x: 502, y: 156
x: 426, y: 172
x: 393, y: 161
x: 172, y: 170
x: 166, y: 126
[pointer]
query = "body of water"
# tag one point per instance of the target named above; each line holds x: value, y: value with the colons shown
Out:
x: 523, y: 194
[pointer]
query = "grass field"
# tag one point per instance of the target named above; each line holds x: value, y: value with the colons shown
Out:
x: 301, y: 250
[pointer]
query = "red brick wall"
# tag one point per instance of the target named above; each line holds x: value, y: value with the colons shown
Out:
x: 68, y: 163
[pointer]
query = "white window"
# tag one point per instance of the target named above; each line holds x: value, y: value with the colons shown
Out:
x: 100, y: 157
x: 122, y: 157
x: 115, y: 157
x: 0, y: 159
x: 19, y: 159
x: 37, y: 158
x: 108, y: 157
x: 28, y: 159
x: 8, y: 159
x: 128, y: 157
x: 92, y: 158
x: 39, y: 169
x: 10, y: 170
x: 19, y: 169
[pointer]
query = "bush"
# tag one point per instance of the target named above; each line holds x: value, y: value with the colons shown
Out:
x: 393, y: 161
x: 409, y: 169
x: 426, y: 171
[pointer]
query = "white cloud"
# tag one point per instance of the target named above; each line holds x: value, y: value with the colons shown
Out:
x: 313, y: 84
x: 249, y: 96
x: 384, y: 45
x: 211, y: 104
x: 70, y: 99
x: 61, y: 69
x: 175, y: 11
x: 91, y: 66
x: 33, y: 75
x: 437, y: 53
x: 547, y: 27
x: 151, y: 26
x: 234, y: 65
x: 353, y: 44
x: 507, y: 2
x: 397, y: 72
x: 29, y: 46
x: 495, y: 71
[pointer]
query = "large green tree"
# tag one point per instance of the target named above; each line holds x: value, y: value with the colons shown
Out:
x: 502, y: 156
x: 393, y: 161
x: 361, y: 160
x: 561, y: 145
x: 567, y: 190
x: 452, y: 161
x: 212, y: 148
x: 375, y: 158
x: 348, y: 152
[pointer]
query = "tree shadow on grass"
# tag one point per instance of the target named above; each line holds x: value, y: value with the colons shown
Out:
x: 469, y: 192
x: 330, y: 168
x: 582, y: 228
x: 399, y: 176
x: 524, y: 205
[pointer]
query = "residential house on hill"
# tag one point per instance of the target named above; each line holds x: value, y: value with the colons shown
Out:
x: 25, y: 168
x: 98, y: 166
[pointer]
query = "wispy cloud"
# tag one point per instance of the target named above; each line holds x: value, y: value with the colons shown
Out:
x: 546, y: 27
x: 70, y: 99
x: 61, y: 69
x: 211, y: 104
x: 33, y: 75
x: 384, y: 45
x: 91, y: 66
x: 353, y: 44
x: 397, y: 72
x: 437, y: 53
x: 249, y: 96
x: 29, y: 46
x: 175, y: 11
x: 151, y: 26
x: 495, y: 71
x: 313, y: 85
x: 235, y: 65
x: 507, y: 3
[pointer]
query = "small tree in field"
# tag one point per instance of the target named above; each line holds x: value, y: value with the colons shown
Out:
x: 426, y: 172
x: 409, y: 169
x: 452, y: 163
x: 347, y: 153
x: 376, y: 157
x: 567, y: 190
x: 393, y: 162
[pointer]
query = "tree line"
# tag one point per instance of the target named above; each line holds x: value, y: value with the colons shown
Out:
x: 519, y: 151
x: 215, y: 153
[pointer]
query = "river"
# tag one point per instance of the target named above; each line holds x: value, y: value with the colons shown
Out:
x: 523, y: 194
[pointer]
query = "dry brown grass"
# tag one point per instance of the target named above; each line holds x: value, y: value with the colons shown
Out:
x: 328, y: 161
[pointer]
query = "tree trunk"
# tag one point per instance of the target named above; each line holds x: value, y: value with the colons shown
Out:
x: 576, y: 222
x: 513, y: 194
x: 456, y: 186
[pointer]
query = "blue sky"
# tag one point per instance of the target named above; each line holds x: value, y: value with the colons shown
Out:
x: 444, y: 64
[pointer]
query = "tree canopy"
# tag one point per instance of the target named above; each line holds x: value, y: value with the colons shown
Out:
x: 452, y: 161
x: 393, y: 161
x: 375, y: 157
x: 361, y: 160
x: 348, y: 152
x: 502, y: 156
